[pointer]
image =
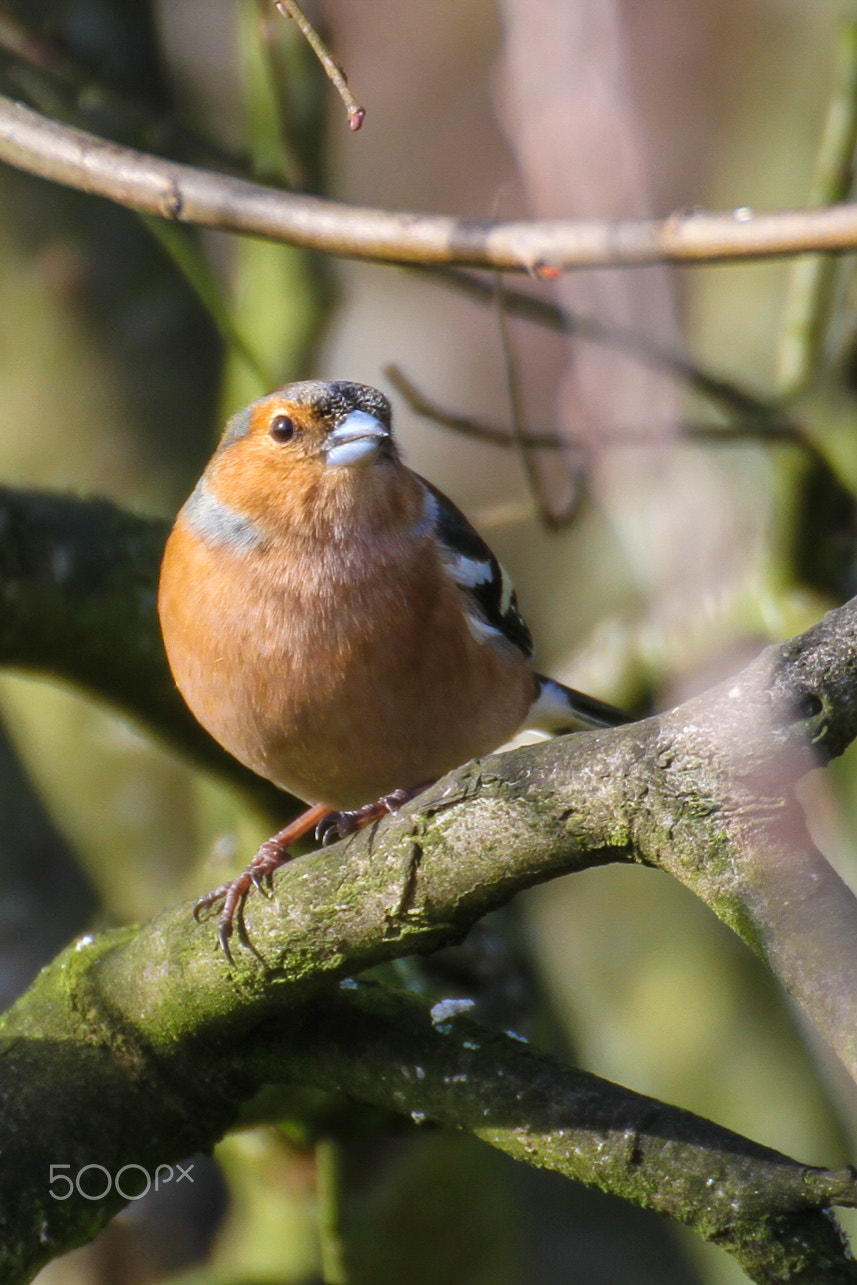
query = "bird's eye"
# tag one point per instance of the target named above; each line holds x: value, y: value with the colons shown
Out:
x: 282, y: 428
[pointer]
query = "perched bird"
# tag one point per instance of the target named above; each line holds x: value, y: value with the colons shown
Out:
x: 337, y: 624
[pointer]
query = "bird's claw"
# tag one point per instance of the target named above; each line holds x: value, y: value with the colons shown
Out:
x: 209, y: 901
x: 224, y: 932
x: 334, y: 826
x: 272, y: 854
x: 261, y: 880
x: 338, y: 825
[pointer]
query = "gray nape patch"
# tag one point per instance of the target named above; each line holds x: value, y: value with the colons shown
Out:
x: 215, y: 522
x: 236, y: 427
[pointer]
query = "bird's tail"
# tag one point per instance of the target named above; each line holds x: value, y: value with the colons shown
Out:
x: 558, y: 709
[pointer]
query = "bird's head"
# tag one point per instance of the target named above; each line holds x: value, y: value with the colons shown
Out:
x: 333, y: 425
x: 310, y: 450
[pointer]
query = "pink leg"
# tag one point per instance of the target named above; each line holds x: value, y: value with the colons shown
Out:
x: 273, y: 853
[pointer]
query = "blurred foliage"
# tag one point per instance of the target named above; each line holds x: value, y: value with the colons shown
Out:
x: 122, y: 347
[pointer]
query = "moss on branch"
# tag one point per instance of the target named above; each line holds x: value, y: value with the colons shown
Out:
x: 110, y: 1093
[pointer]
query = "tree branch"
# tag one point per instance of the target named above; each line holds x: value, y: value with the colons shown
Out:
x: 730, y: 397
x: 705, y: 791
x: 78, y: 584
x: 81, y: 160
x: 382, y: 1048
x: 72, y: 1045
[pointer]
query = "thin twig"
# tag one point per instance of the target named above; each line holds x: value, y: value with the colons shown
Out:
x: 519, y: 436
x: 731, y: 397
x: 748, y: 430
x: 467, y: 426
x: 334, y: 73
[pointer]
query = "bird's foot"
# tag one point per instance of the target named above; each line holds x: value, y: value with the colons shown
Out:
x: 338, y: 825
x: 272, y: 854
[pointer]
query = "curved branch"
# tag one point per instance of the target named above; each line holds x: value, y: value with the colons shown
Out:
x: 78, y: 159
x: 71, y: 1045
x: 772, y: 431
x: 368, y: 1043
x: 705, y: 791
x: 730, y: 397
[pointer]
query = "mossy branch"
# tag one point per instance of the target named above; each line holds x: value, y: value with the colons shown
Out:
x: 110, y: 1102
x: 78, y: 585
x: 383, y: 1048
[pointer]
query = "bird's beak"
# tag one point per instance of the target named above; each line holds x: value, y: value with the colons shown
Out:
x: 356, y: 440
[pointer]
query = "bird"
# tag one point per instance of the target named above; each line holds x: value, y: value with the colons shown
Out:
x: 334, y: 621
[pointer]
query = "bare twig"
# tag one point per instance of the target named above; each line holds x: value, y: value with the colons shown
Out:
x: 725, y: 393
x: 50, y: 59
x: 519, y: 437
x: 91, y: 164
x: 467, y: 426
x: 765, y: 432
x: 334, y: 73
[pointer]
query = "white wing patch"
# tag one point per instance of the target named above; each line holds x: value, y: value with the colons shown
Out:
x: 488, y: 596
x: 481, y: 631
x: 468, y: 571
x: 508, y: 592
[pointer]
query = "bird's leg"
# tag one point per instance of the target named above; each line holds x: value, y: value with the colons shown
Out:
x: 338, y: 825
x: 273, y: 853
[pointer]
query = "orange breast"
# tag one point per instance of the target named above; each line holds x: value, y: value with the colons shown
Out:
x: 338, y: 687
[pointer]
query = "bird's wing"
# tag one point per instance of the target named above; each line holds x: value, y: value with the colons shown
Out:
x: 558, y: 709
x: 490, y: 603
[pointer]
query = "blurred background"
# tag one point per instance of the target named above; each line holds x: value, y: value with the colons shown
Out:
x: 651, y: 558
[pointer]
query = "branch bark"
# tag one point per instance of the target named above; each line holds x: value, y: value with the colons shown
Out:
x: 380, y: 1047
x: 107, y: 1099
x: 43, y: 147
